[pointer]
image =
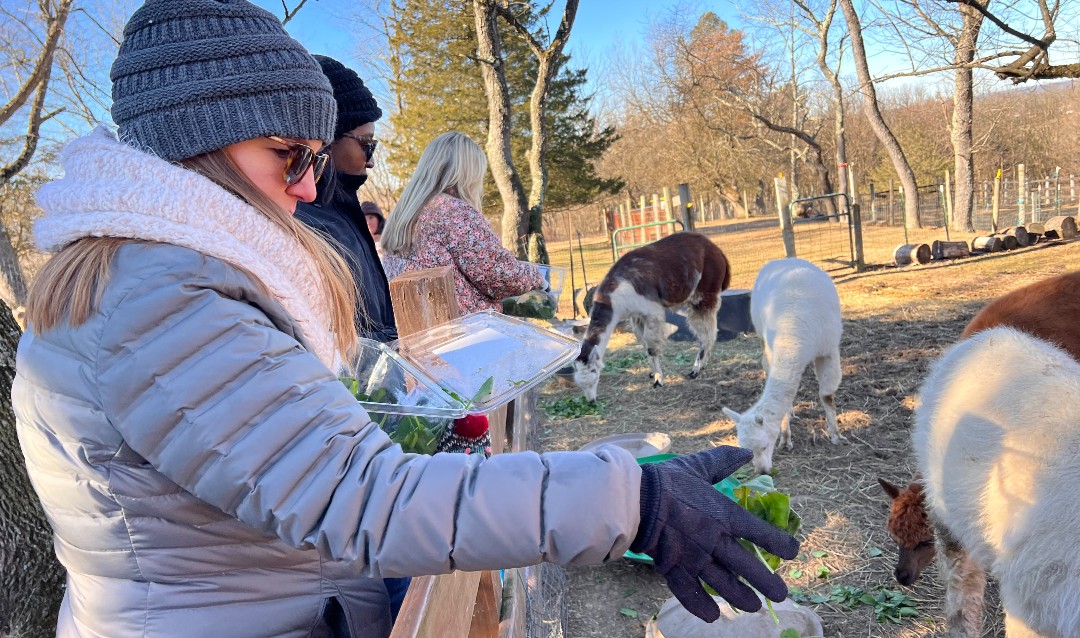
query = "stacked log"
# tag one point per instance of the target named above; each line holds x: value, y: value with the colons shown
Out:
x: 1019, y: 234
x: 1062, y: 227
x: 1008, y: 242
x: 988, y: 244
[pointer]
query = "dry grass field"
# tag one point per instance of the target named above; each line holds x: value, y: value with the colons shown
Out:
x: 896, y: 321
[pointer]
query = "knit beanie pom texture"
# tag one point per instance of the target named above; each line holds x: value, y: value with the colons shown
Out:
x: 355, y: 103
x: 194, y: 76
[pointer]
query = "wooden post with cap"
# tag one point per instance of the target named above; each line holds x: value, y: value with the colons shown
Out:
x: 459, y: 603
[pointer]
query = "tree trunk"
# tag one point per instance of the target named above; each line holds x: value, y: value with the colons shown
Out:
x: 877, y: 121
x: 31, y: 579
x: 963, y: 109
x: 515, y: 220
x: 537, y: 248
x: 12, y: 280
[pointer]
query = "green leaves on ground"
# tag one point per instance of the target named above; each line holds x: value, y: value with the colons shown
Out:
x: 629, y: 613
x: 889, y: 605
x: 625, y: 362
x: 574, y: 407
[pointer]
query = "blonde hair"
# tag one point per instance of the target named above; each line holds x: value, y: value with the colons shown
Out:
x: 451, y: 161
x: 70, y: 285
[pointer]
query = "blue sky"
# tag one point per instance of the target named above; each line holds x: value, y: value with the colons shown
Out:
x: 337, y: 28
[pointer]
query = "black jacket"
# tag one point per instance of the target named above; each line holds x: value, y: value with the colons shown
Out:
x: 336, y: 212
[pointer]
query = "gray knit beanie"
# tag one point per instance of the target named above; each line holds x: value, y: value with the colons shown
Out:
x: 194, y: 76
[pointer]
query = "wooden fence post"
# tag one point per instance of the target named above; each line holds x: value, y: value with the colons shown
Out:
x: 459, y: 603
x: 996, y: 201
x: 1021, y: 192
x: 786, y: 231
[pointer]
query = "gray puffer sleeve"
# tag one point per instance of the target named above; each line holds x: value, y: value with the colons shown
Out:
x: 201, y: 384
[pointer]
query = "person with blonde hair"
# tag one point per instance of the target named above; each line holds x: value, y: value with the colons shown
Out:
x: 437, y: 222
x: 176, y: 398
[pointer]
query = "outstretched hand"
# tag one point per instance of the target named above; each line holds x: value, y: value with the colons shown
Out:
x: 691, y: 531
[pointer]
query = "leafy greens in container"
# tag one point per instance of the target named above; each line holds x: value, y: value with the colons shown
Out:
x: 470, y: 365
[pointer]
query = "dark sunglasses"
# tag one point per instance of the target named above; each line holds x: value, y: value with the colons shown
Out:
x: 369, y: 145
x: 301, y: 157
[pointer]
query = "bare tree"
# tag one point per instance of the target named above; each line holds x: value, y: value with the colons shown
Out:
x: 712, y: 67
x: 948, y: 37
x: 53, y: 14
x: 515, y: 225
x: 1034, y: 63
x: 819, y: 27
x: 877, y: 122
x: 550, y: 59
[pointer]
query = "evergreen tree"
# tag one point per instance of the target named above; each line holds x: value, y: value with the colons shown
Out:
x: 438, y: 87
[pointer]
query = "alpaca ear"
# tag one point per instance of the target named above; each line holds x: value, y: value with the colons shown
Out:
x: 731, y: 414
x: 892, y: 490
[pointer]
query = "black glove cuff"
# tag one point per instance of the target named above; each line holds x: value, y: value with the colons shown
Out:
x: 650, y: 506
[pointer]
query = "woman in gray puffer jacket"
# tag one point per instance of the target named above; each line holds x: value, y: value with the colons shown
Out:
x: 202, y: 468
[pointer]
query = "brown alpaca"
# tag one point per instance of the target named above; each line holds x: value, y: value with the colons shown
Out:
x: 909, y: 526
x: 1046, y: 309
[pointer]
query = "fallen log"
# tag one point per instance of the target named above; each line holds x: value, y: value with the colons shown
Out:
x: 906, y: 254
x: 950, y: 249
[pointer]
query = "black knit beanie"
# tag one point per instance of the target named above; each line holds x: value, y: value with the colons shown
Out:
x: 356, y: 105
x: 194, y: 76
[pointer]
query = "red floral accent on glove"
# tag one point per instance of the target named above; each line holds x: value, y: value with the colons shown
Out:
x: 471, y: 426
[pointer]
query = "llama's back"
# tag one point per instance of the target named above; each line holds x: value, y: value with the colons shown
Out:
x: 670, y: 269
x: 795, y: 308
x: 997, y: 440
x: 1046, y: 309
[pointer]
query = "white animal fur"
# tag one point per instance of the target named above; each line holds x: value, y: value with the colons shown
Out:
x: 796, y: 310
x: 649, y: 323
x: 997, y: 439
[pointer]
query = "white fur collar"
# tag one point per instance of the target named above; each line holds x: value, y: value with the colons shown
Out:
x: 111, y: 189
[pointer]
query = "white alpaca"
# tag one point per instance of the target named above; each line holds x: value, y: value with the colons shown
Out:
x: 796, y: 310
x: 997, y: 439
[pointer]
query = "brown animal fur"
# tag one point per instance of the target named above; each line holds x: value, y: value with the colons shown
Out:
x: 910, y: 527
x: 1046, y: 309
x: 682, y: 268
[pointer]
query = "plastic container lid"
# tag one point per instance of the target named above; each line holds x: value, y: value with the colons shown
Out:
x: 441, y: 370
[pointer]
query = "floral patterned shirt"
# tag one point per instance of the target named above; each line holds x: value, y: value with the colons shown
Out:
x: 450, y: 232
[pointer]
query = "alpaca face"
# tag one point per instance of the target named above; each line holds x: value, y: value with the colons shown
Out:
x: 587, y: 375
x: 909, y: 525
x: 757, y: 436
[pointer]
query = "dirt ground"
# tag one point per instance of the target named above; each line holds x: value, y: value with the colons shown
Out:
x: 895, y: 323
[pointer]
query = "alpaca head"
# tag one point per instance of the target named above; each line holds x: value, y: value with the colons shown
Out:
x: 587, y: 372
x: 755, y: 435
x: 909, y: 525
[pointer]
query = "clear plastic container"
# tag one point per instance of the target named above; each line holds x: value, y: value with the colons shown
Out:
x: 470, y: 365
x: 555, y: 276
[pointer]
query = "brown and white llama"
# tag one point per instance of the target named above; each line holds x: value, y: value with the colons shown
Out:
x: 683, y: 268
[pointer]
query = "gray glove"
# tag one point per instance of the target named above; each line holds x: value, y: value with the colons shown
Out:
x: 552, y: 296
x: 690, y: 530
